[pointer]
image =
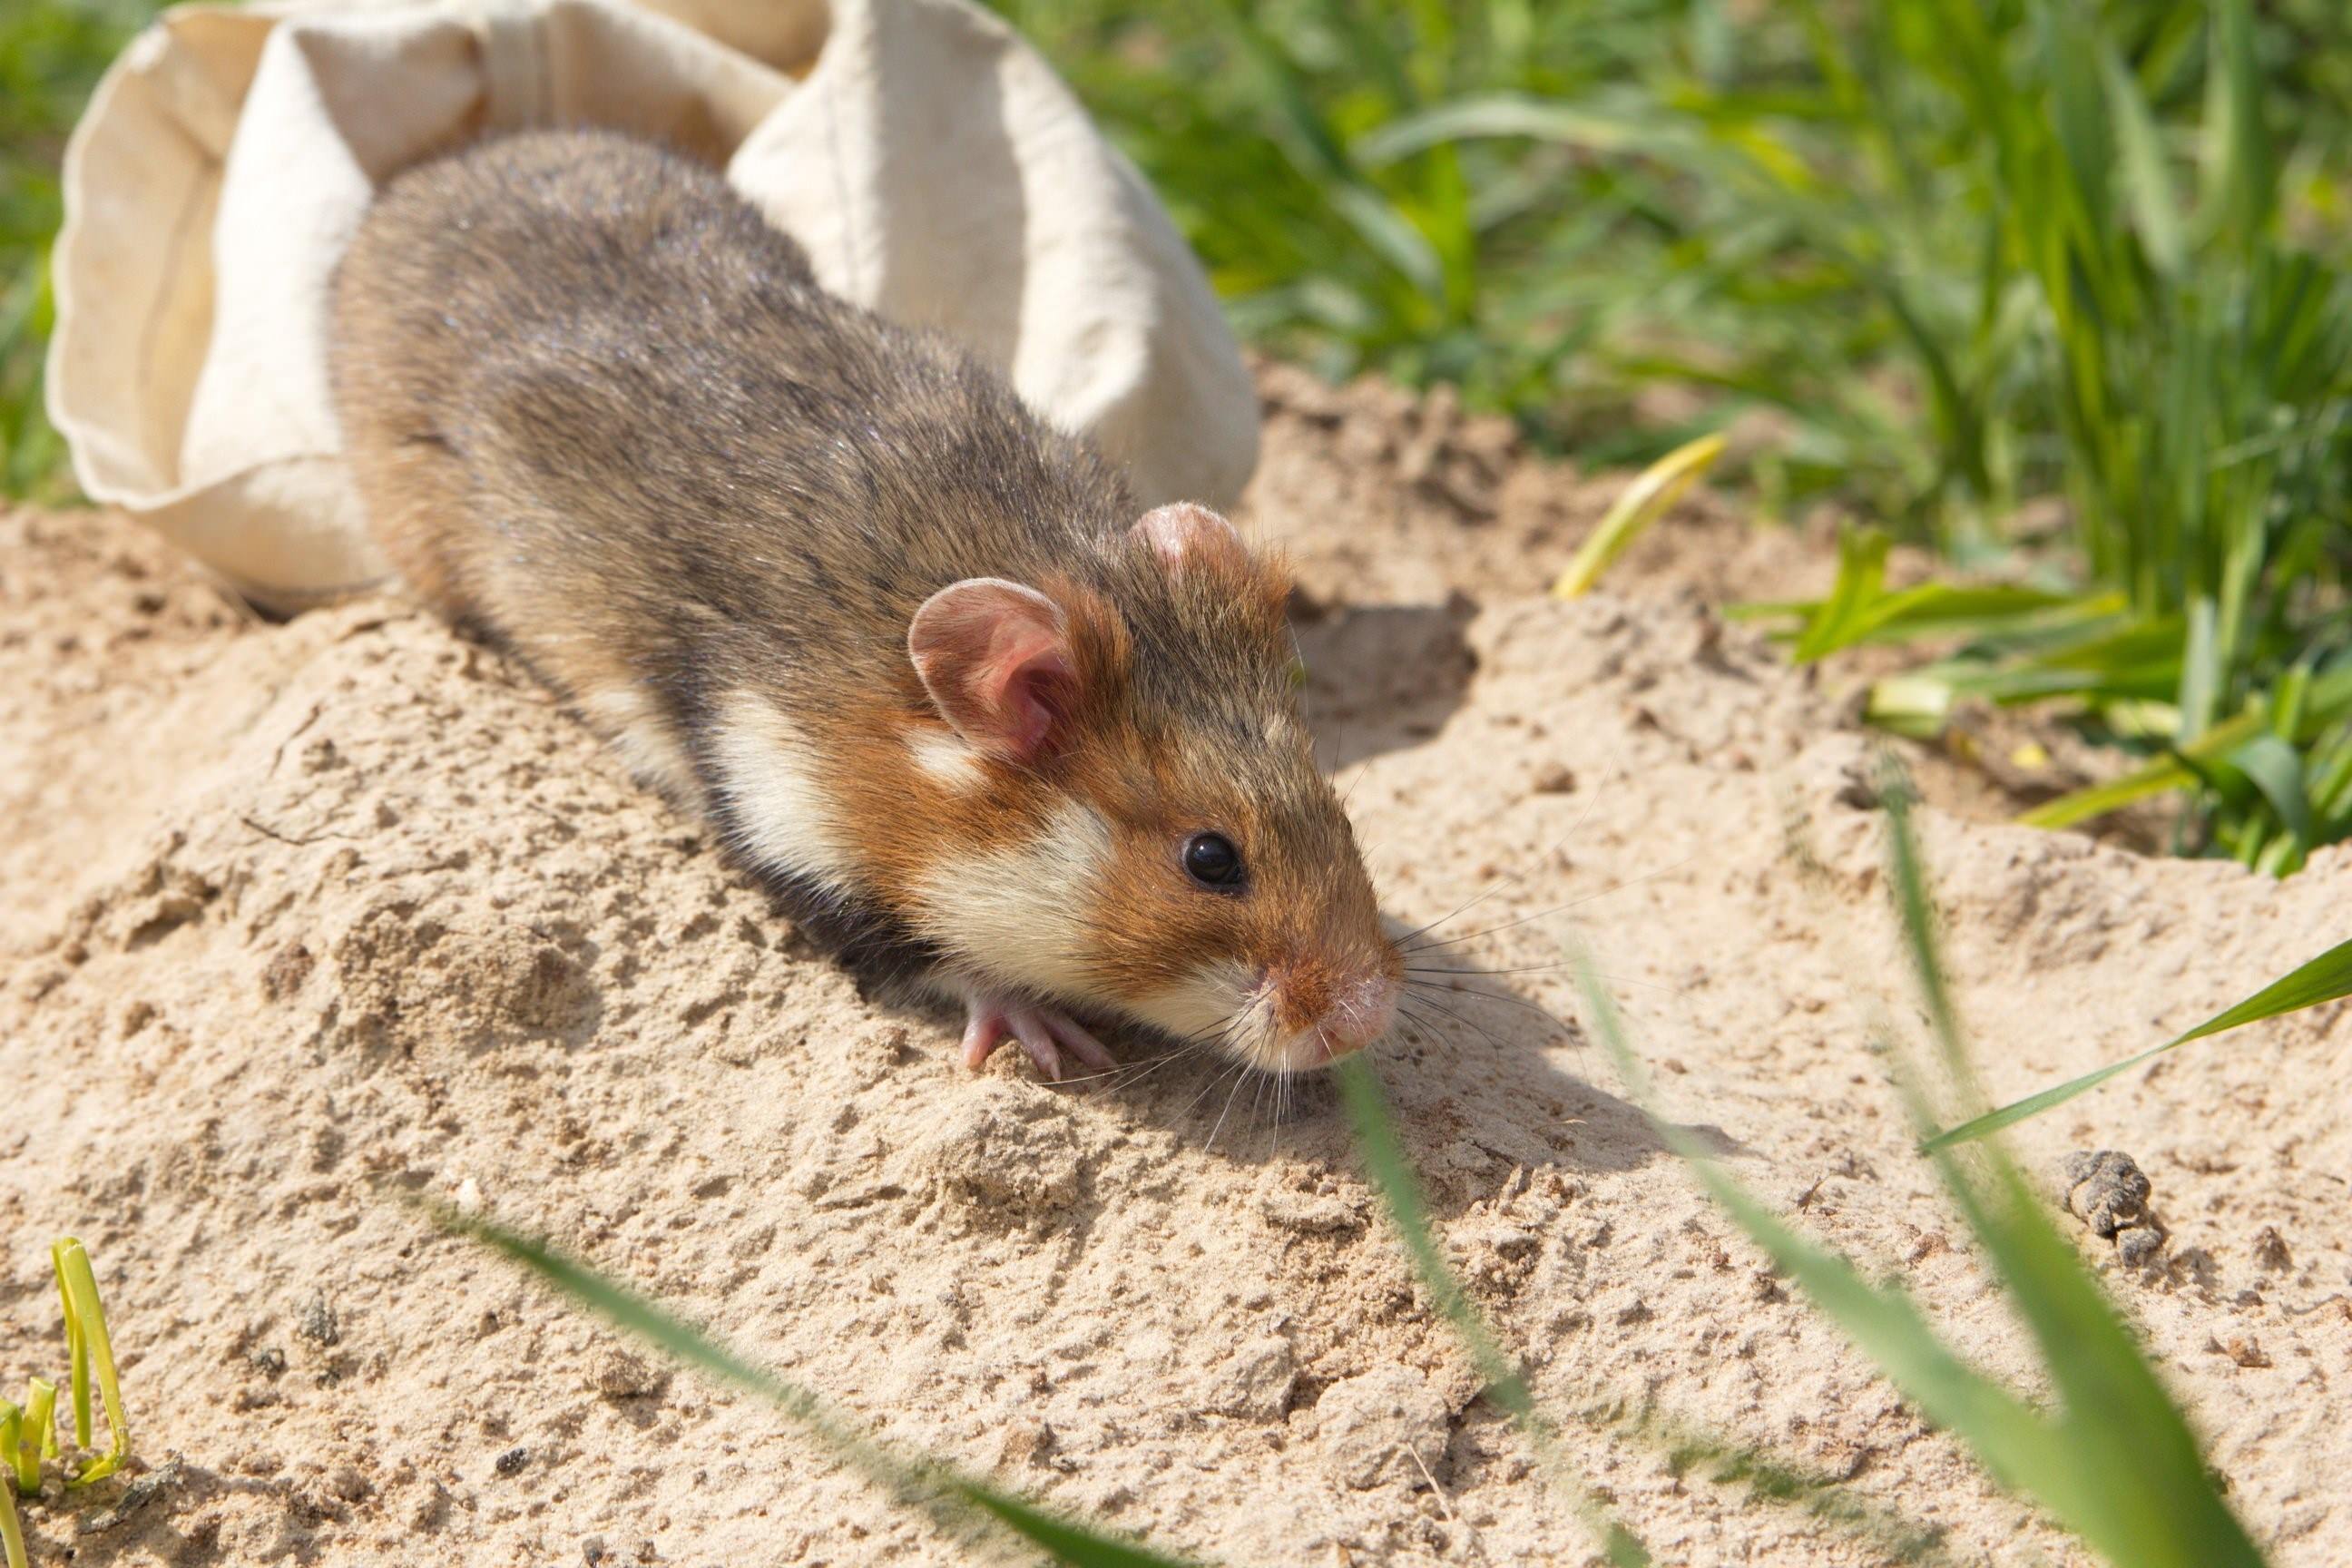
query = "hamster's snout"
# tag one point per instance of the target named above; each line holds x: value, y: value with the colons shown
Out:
x: 1359, y: 1015
x: 1321, y: 1014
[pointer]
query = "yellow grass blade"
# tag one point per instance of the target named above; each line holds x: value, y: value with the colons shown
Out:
x: 1648, y: 497
x: 86, y: 1330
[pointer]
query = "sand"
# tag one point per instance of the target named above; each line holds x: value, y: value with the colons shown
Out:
x: 297, y: 917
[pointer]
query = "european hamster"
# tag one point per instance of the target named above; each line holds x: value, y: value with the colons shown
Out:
x: 827, y: 580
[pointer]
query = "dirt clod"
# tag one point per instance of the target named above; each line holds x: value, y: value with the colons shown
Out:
x: 2271, y: 1251
x: 1372, y: 1428
x: 142, y: 1491
x: 319, y: 1322
x: 2107, y: 1191
x: 619, y: 1374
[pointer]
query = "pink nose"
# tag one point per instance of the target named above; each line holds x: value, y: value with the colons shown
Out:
x: 1358, y: 1015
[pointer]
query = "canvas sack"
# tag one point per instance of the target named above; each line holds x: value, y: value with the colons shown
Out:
x: 933, y: 167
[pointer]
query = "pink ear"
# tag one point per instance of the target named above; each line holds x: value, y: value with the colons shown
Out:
x: 995, y: 658
x: 1183, y: 529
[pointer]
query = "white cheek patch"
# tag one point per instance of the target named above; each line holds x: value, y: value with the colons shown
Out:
x: 767, y: 778
x: 1018, y: 912
x: 943, y: 757
x: 628, y: 719
x: 1218, y: 1001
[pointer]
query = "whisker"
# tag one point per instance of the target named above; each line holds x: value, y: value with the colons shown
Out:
x: 1441, y: 920
x: 1350, y: 792
x: 1199, y: 1040
x: 1546, y: 969
x: 1539, y: 914
x: 1240, y: 1065
x: 1239, y: 1075
x: 1430, y: 1029
x: 1492, y: 1038
x: 1425, y: 987
x: 1210, y: 1088
x: 1127, y: 1074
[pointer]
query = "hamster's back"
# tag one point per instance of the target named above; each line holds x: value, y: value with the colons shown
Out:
x: 598, y: 408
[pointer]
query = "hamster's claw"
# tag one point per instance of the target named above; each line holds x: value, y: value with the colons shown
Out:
x: 1043, y: 1033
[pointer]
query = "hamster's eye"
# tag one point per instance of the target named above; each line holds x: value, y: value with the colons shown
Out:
x: 1210, y: 860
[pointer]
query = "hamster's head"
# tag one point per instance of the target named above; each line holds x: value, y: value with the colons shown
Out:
x: 1141, y: 829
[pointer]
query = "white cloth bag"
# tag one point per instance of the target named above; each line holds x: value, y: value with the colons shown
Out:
x: 931, y: 164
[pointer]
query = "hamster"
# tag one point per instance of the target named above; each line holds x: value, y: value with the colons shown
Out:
x: 985, y: 731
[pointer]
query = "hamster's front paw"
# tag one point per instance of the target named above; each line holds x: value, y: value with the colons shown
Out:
x: 1044, y: 1032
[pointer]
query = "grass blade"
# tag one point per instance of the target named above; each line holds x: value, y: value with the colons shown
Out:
x: 2135, y: 1484
x: 12, y: 1529
x: 2097, y: 800
x: 2201, y: 672
x: 2116, y: 1463
x: 952, y: 1498
x: 92, y: 1348
x: 2148, y: 186
x: 2277, y: 772
x: 1861, y: 580
x: 77, y: 1355
x: 2240, y: 173
x: 41, y: 1421
x: 2012, y: 615
x: 2149, y: 779
x: 1391, y: 1174
x: 1880, y: 1319
x: 2324, y: 979
x: 1499, y: 114
x: 1650, y: 497
x: 1915, y: 706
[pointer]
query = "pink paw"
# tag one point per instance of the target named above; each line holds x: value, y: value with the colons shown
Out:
x: 1044, y: 1032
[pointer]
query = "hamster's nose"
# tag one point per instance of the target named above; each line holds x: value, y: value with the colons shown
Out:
x: 1359, y: 1013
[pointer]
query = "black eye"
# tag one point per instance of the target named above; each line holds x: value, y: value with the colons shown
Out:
x: 1210, y: 860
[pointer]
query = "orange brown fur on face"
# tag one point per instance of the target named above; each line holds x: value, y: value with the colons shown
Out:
x: 1157, y: 762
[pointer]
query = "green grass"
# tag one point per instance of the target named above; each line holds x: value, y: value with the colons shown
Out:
x: 2108, y: 1455
x: 2325, y: 978
x: 978, y: 1515
x: 28, y: 1433
x: 51, y: 52
x: 2199, y: 385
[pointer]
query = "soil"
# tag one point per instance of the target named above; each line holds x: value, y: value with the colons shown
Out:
x: 297, y: 919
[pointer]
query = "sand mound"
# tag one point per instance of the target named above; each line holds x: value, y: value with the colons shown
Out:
x: 296, y: 916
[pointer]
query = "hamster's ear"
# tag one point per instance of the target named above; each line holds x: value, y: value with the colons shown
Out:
x: 995, y: 656
x: 1191, y: 538
x: 1185, y: 530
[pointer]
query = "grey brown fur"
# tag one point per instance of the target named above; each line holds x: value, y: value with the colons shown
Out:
x: 611, y: 386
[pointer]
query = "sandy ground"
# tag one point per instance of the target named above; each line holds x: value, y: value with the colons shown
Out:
x: 296, y: 917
